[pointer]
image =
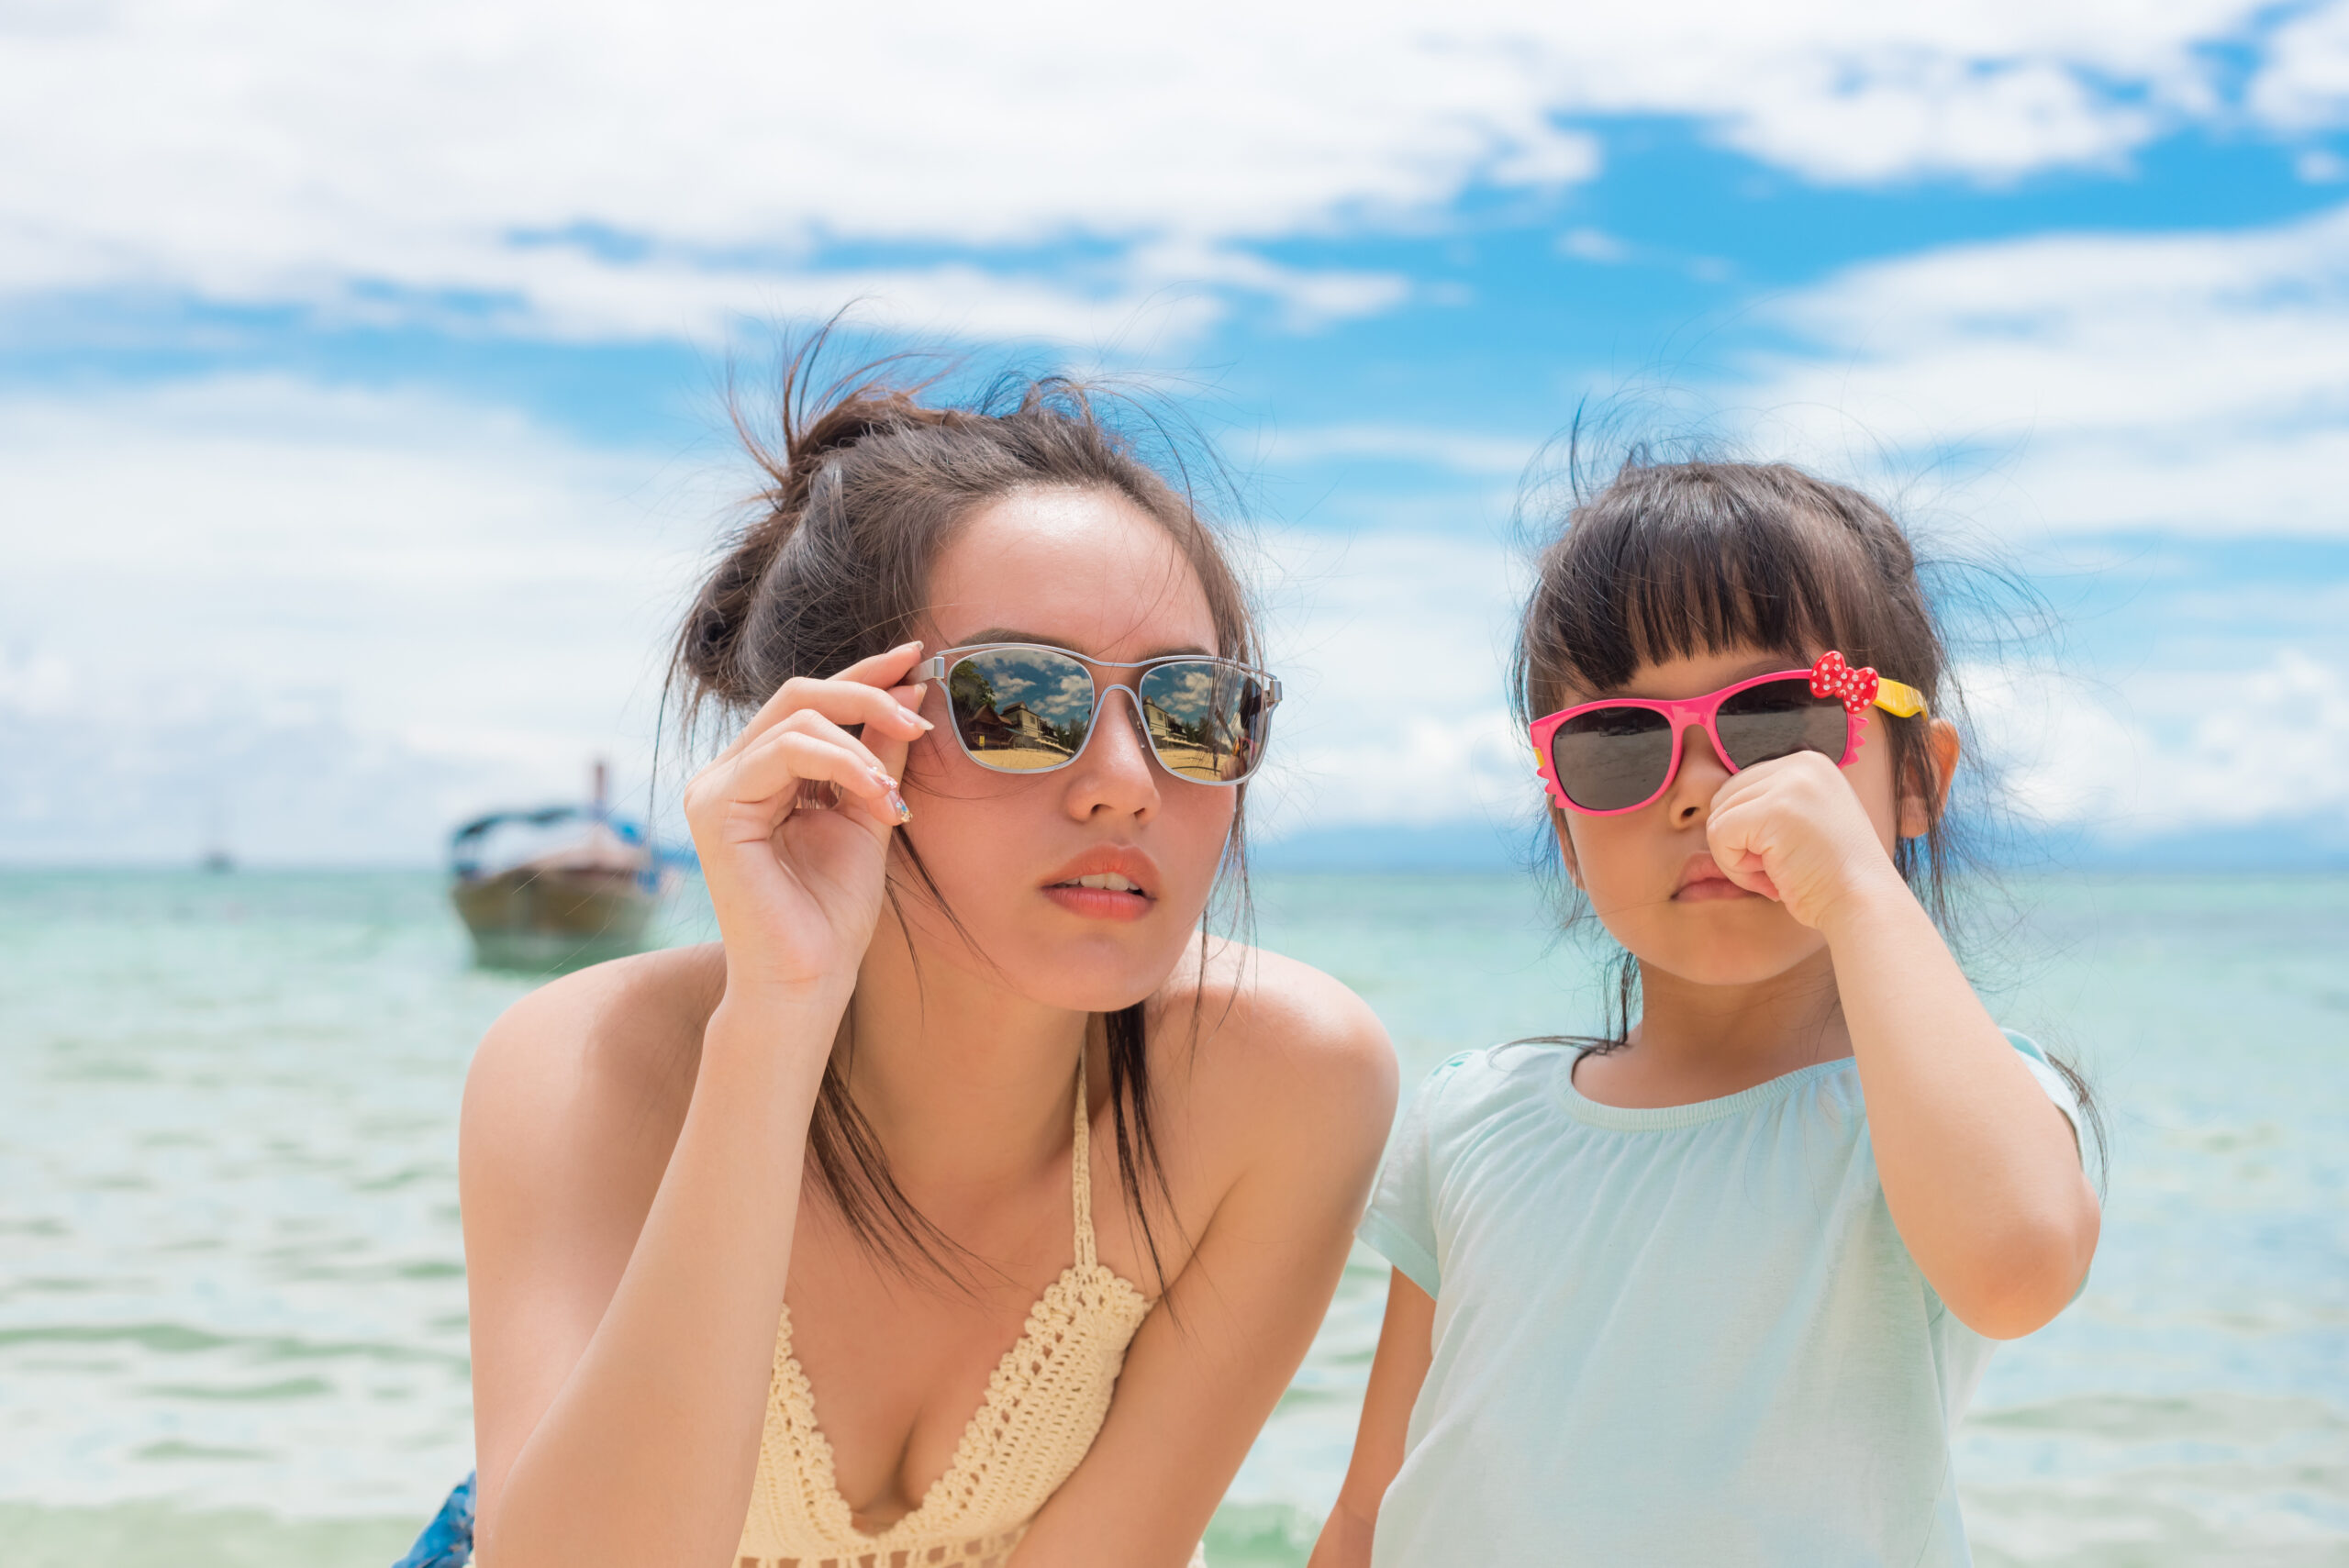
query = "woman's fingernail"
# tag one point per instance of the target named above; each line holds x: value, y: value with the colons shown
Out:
x: 897, y: 803
x: 913, y: 718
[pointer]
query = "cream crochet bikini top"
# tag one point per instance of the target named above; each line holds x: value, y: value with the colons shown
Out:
x: 1045, y: 1403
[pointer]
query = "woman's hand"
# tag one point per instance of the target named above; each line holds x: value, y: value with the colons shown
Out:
x: 796, y: 883
x: 1792, y: 828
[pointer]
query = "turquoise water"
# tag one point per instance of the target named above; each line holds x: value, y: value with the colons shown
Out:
x: 232, y: 1293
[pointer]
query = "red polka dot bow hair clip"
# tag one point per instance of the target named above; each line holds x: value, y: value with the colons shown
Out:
x: 1620, y: 753
x: 1831, y: 677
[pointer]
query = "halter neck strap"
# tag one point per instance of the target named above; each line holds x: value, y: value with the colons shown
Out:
x: 1081, y: 1171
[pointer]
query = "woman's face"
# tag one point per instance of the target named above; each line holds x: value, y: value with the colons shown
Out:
x: 1091, y: 572
x: 1649, y: 873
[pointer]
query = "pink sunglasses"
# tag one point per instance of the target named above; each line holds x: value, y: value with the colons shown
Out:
x: 1620, y: 753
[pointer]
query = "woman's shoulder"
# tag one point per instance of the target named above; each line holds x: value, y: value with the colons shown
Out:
x: 1273, y: 1037
x: 620, y: 1039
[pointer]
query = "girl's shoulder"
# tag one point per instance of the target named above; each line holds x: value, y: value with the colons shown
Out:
x: 1473, y: 1085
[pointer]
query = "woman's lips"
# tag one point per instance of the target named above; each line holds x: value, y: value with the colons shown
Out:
x: 1099, y: 903
x: 1111, y: 883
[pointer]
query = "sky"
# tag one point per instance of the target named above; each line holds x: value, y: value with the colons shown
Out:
x: 363, y: 370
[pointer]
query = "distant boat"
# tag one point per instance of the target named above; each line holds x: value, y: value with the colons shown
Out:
x: 556, y: 887
x: 218, y: 858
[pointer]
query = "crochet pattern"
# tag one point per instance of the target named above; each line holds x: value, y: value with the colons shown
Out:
x: 1045, y: 1403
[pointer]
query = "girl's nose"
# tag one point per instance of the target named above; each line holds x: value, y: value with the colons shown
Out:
x: 1702, y: 773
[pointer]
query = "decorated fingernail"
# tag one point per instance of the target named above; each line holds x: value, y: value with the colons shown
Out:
x: 897, y: 803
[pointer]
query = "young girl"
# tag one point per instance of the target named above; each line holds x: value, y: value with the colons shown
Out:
x: 1715, y: 1291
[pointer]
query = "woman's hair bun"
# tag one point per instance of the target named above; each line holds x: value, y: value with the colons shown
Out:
x: 863, y: 405
x: 859, y: 487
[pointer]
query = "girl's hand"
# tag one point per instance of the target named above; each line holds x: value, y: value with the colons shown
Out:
x: 796, y: 883
x: 1794, y: 829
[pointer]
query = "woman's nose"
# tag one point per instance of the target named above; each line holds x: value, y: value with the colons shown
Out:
x: 1117, y: 771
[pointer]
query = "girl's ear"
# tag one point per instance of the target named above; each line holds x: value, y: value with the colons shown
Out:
x: 1941, y: 748
x: 1558, y: 821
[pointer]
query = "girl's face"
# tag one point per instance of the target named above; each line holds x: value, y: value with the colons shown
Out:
x: 1649, y: 873
x: 1091, y: 572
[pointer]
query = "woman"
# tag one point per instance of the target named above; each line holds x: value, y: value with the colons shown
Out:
x: 751, y: 1225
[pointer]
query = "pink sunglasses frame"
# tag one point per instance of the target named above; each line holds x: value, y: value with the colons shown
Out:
x: 1860, y: 689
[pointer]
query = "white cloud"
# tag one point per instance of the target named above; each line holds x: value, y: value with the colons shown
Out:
x: 1392, y: 649
x: 1593, y: 245
x: 2173, y: 751
x: 2197, y: 381
x: 2304, y: 84
x: 624, y: 172
x: 338, y: 620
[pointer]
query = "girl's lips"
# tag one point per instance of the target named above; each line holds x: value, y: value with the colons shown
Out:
x: 1703, y: 881
x: 1708, y: 889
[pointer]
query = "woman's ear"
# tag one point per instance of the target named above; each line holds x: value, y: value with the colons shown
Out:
x: 1941, y: 748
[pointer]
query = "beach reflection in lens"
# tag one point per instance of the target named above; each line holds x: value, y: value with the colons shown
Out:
x: 1779, y: 718
x: 1205, y: 719
x: 1611, y: 758
x: 1020, y: 709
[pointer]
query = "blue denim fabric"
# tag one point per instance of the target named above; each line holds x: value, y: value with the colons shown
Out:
x: 448, y: 1540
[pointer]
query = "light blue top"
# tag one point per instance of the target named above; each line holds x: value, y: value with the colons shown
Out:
x: 1687, y: 1335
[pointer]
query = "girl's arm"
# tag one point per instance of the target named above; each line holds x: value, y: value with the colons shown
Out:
x: 625, y: 1296
x: 1980, y: 1170
x: 1302, y: 1093
x: 1405, y: 1347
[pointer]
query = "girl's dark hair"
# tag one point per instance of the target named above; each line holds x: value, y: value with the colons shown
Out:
x: 1673, y: 558
x: 866, y: 481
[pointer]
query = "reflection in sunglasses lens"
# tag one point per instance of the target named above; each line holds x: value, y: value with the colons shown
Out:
x: 1611, y: 758
x: 1779, y: 718
x: 1020, y: 710
x: 1205, y: 720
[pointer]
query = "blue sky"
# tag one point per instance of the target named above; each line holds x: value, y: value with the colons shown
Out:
x: 359, y: 427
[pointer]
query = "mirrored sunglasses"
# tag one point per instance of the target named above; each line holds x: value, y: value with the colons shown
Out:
x: 1022, y: 708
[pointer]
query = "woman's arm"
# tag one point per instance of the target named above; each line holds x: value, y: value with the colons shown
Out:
x: 621, y: 1348
x: 623, y: 1342
x: 1305, y: 1092
x: 1981, y: 1171
x: 1405, y: 1347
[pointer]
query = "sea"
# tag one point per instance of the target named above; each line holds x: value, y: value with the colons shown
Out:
x: 232, y: 1309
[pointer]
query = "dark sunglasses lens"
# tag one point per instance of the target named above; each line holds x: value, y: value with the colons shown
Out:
x: 1020, y: 710
x: 1612, y: 757
x: 1779, y: 718
x: 1208, y: 721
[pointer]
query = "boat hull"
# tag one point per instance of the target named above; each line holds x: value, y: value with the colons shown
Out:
x: 542, y: 920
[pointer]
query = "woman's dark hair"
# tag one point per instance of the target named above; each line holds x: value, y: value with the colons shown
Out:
x: 1668, y: 559
x: 866, y: 481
